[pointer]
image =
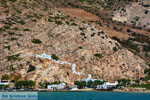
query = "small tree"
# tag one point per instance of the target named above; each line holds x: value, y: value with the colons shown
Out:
x: 19, y: 84
x: 98, y: 55
x: 41, y: 85
x: 31, y: 83
x: 16, y: 78
x: 97, y: 82
x: 90, y: 83
x: 55, y: 57
x: 25, y: 84
x: 81, y: 84
x: 5, y: 77
x: 123, y: 81
x: 36, y: 41
x: 45, y: 84
x: 56, y: 82
x: 4, y: 86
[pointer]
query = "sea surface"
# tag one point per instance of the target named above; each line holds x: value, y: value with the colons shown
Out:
x: 93, y: 96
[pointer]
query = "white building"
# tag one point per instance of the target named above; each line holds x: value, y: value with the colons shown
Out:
x: 74, y: 88
x: 90, y: 79
x: 60, y: 86
x: 3, y: 83
x: 107, y: 85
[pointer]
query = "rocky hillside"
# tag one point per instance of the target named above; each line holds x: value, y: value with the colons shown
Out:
x: 136, y: 14
x: 108, y: 12
x: 29, y: 27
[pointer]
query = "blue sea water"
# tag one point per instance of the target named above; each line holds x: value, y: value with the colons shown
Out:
x: 93, y: 96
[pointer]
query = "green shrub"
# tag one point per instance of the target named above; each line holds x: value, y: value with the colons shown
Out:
x: 46, y: 83
x: 73, y: 24
x: 123, y: 81
x: 55, y: 57
x: 25, y: 84
x: 12, y: 39
x: 21, y: 22
x: 93, y: 34
x: 58, y: 22
x: 116, y: 38
x: 147, y: 86
x: 36, y: 41
x: 80, y: 47
x: 115, y: 49
x: 12, y: 0
x: 6, y: 27
x: 147, y: 71
x: 1, y: 30
x: 17, y: 77
x: 11, y: 33
x: 15, y: 28
x: 31, y: 68
x: 146, y: 48
x: 81, y: 84
x: 34, y: 20
x: 128, y: 30
x: 128, y: 44
x: 8, y: 47
x: 82, y: 33
x: 97, y: 82
x: 26, y: 29
x: 67, y: 23
x: 99, y: 33
x: 50, y: 19
x: 98, y: 55
x: 4, y: 86
x: 137, y: 81
x: 5, y: 77
x: 13, y: 57
x: 19, y: 34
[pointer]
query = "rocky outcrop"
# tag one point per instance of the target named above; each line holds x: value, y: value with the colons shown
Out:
x: 136, y: 14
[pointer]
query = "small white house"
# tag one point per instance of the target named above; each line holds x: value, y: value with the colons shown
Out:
x: 107, y: 85
x: 90, y: 79
x: 3, y: 83
x: 74, y: 88
x: 60, y: 86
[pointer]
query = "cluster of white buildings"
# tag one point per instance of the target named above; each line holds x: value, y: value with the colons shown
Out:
x: 105, y: 86
x: 61, y: 86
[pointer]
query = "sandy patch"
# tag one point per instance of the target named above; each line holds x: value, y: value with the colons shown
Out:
x: 79, y: 13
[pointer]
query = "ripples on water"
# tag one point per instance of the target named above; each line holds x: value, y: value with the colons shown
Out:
x: 93, y: 96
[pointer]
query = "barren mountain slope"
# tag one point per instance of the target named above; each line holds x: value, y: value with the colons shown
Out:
x: 33, y: 27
